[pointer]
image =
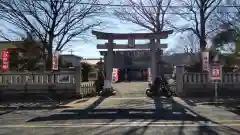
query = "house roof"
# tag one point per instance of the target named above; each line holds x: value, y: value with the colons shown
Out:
x: 91, y: 61
x: 13, y: 44
x: 9, y: 44
x: 181, y: 58
x: 75, y: 60
x: 175, y: 59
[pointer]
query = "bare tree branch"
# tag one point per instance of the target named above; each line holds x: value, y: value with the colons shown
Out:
x: 201, y: 11
x: 53, y: 22
x: 190, y: 43
x: 151, y: 18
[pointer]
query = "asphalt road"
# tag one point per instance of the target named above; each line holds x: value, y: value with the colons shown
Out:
x: 127, y: 115
x: 132, y: 89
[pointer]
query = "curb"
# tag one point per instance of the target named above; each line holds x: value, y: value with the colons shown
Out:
x: 218, y: 103
x: 206, y: 101
x: 28, y: 108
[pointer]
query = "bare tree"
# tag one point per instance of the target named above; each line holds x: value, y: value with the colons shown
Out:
x: 189, y: 43
x: 226, y: 39
x: 234, y: 13
x: 199, y: 14
x: 149, y: 14
x: 226, y: 17
x: 53, y: 22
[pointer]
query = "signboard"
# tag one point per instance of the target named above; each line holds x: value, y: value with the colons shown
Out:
x: 92, y: 76
x: 55, y: 61
x: 63, y: 79
x: 216, y: 73
x: 205, y: 61
x: 5, y: 60
x: 134, y: 53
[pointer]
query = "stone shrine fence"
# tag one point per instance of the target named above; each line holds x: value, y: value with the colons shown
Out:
x: 61, y: 82
x: 199, y: 84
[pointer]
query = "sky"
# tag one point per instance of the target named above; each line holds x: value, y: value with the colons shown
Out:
x: 114, y: 25
x: 87, y: 49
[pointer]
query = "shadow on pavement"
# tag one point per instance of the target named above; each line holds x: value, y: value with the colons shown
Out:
x: 165, y: 109
x: 204, y: 130
x: 160, y: 113
x: 42, y: 103
x: 34, y: 108
x: 230, y: 104
x: 5, y: 112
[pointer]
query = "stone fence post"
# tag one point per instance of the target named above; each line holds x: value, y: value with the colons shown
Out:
x: 78, y: 79
x: 179, y: 79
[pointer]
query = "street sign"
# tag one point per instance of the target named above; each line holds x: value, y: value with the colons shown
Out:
x: 216, y: 73
x: 216, y: 77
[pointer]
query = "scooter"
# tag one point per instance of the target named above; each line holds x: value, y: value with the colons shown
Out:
x: 159, y: 88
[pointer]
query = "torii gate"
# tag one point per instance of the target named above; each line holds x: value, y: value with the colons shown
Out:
x: 110, y: 45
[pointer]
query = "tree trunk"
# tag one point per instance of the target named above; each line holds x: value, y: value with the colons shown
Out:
x: 202, y: 33
x: 202, y: 30
x: 49, y: 58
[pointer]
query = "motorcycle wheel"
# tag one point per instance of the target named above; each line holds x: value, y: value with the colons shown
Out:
x: 149, y: 93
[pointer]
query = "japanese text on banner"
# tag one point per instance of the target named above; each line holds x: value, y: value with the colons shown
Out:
x: 5, y: 60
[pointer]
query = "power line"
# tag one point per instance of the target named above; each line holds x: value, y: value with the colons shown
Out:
x: 124, y: 5
x: 178, y: 13
x: 127, y: 5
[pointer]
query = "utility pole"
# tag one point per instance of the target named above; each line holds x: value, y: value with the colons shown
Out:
x: 71, y: 50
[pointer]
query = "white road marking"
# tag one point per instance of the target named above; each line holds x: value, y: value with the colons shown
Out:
x: 117, y: 98
x: 5, y: 118
x: 113, y: 125
x: 131, y: 124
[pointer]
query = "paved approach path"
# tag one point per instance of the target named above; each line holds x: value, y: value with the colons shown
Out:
x: 131, y: 89
x: 116, y: 116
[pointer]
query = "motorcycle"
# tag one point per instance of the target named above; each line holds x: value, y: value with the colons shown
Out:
x: 159, y: 88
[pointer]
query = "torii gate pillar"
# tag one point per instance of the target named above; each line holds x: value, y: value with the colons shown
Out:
x: 153, y: 59
x: 109, y: 65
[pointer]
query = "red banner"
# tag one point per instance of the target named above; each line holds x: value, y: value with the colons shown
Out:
x: 55, y: 59
x: 5, y: 60
x: 115, y: 75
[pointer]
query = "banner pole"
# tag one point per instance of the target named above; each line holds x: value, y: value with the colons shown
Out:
x: 216, y: 91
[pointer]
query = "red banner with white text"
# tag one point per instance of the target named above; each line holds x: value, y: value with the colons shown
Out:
x: 5, y: 60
